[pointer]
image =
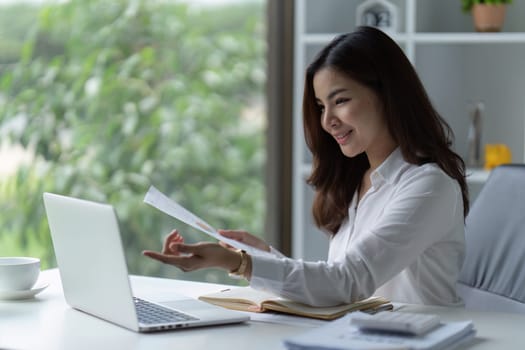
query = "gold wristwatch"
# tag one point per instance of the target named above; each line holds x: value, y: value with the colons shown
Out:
x: 239, y: 272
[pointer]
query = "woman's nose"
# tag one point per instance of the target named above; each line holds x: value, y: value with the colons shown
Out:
x: 330, y: 121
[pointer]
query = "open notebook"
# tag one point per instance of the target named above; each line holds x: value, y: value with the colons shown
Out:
x: 249, y: 299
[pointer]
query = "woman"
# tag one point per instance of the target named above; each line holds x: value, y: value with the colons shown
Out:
x: 389, y: 190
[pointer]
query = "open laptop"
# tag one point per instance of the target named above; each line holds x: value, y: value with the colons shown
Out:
x: 92, y: 265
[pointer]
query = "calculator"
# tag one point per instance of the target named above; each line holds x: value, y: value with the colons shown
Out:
x: 396, y: 322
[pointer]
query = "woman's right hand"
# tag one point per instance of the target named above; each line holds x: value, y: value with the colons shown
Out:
x: 246, y: 238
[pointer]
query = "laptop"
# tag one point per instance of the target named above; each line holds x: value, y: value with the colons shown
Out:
x: 88, y: 249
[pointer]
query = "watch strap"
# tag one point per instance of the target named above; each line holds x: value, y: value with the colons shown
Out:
x: 242, y: 266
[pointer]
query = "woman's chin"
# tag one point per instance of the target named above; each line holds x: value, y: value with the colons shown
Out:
x: 350, y: 152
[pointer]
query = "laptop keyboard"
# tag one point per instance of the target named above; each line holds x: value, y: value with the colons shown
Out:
x: 150, y: 313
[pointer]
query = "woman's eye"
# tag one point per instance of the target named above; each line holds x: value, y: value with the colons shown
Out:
x: 321, y: 108
x: 340, y: 100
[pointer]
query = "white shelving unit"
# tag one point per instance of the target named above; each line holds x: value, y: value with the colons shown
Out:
x: 457, y: 66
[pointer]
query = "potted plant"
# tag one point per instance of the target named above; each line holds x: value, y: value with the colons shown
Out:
x: 488, y: 15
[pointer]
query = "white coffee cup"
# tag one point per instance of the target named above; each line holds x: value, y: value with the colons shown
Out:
x: 18, y: 273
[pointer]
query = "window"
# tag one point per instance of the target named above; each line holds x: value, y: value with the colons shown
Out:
x: 99, y: 99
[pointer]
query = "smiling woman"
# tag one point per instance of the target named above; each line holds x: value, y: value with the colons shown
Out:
x: 353, y: 115
x: 116, y: 96
x: 382, y: 191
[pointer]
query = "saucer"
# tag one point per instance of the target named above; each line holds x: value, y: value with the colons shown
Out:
x: 22, y: 294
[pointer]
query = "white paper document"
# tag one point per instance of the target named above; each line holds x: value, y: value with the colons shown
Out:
x: 279, y: 318
x: 341, y: 334
x: 159, y: 200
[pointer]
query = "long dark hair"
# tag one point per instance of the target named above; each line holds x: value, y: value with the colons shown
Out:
x: 373, y: 59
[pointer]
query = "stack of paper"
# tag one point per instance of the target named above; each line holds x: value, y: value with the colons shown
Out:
x: 342, y: 334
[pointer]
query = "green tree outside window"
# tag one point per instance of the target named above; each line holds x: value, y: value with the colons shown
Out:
x: 112, y: 96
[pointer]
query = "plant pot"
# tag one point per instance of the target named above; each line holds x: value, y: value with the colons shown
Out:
x: 488, y: 17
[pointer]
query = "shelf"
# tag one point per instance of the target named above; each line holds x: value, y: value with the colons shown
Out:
x: 468, y: 38
x: 478, y: 176
x: 321, y: 39
x: 433, y: 38
x: 473, y: 175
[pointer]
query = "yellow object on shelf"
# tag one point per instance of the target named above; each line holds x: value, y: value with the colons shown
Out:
x: 497, y: 154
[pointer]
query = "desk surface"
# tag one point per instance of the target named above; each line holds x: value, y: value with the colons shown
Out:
x: 47, y: 322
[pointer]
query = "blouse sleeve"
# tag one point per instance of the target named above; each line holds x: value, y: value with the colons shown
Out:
x: 421, y: 211
x: 276, y: 253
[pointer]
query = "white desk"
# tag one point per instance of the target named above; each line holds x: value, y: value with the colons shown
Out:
x: 47, y: 322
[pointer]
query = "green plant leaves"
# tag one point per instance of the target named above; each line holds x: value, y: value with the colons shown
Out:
x: 115, y: 96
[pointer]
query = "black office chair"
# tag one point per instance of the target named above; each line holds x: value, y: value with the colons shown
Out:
x: 493, y: 274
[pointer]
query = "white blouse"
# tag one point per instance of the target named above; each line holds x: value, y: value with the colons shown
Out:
x: 405, y: 241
